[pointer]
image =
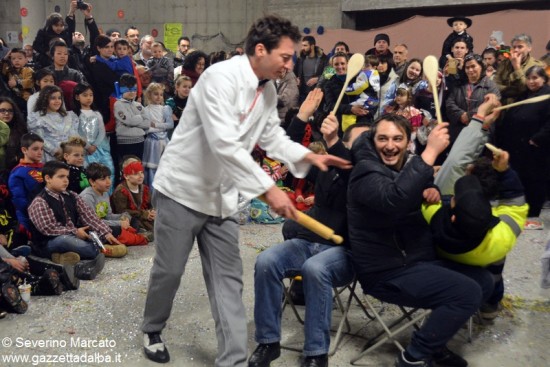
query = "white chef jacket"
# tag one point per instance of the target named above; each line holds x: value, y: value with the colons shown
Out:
x: 208, y: 163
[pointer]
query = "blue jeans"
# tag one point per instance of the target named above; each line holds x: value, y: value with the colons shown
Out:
x: 322, y: 267
x: 66, y: 243
x: 452, y: 291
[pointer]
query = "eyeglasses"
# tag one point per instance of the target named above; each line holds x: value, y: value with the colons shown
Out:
x: 4, y: 110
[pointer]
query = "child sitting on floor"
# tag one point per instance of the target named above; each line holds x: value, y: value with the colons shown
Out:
x: 97, y: 198
x: 132, y: 196
x: 72, y: 153
x: 62, y: 221
x: 25, y: 179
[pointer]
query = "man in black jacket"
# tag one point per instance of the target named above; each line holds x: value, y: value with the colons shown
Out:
x: 321, y: 264
x: 309, y: 66
x: 391, y: 243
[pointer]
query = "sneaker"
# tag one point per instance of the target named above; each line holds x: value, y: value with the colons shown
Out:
x: 154, y: 348
x: 534, y: 223
x: 490, y: 311
x: 22, y: 250
x: 66, y: 258
x: 401, y: 361
x: 89, y: 269
x: 149, y: 235
x: 447, y: 358
x: 115, y: 250
x: 264, y: 354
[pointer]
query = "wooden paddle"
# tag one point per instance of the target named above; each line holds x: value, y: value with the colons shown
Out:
x: 355, y: 64
x: 496, y: 151
x: 315, y: 226
x: 431, y: 67
x: 525, y: 101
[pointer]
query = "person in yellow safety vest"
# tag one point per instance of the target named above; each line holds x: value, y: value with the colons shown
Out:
x: 470, y: 231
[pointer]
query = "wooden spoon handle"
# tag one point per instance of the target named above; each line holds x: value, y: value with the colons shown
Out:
x: 525, y: 101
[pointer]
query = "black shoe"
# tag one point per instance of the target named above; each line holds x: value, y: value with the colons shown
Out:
x: 490, y: 311
x: 401, y: 361
x: 39, y: 265
x: 316, y: 361
x: 447, y: 358
x: 69, y: 279
x: 11, y: 299
x: 89, y: 269
x: 264, y: 354
x: 154, y: 348
x: 49, y: 284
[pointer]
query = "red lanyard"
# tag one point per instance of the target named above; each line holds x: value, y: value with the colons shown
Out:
x: 244, y: 115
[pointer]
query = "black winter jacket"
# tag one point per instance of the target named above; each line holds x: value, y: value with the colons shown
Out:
x: 518, y: 126
x: 386, y: 228
x: 330, y: 191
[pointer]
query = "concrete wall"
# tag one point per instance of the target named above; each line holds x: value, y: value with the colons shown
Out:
x: 425, y: 35
x: 10, y: 19
x: 359, y: 5
x: 308, y: 13
x: 206, y: 19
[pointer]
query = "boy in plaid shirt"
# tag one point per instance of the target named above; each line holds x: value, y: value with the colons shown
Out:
x: 61, y: 220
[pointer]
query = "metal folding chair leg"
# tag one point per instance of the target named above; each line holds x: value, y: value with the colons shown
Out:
x: 288, y: 299
x: 343, y: 307
x: 414, y: 316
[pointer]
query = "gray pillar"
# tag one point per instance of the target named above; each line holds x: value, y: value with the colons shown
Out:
x: 36, y: 16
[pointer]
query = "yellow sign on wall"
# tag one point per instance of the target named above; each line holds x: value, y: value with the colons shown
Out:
x: 172, y: 31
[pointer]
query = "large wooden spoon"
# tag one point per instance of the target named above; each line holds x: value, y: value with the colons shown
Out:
x: 431, y: 67
x: 496, y: 151
x: 544, y: 97
x: 355, y: 64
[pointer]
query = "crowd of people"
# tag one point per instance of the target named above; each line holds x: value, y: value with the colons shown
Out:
x: 89, y: 131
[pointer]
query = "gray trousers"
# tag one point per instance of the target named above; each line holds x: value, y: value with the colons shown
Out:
x: 176, y: 228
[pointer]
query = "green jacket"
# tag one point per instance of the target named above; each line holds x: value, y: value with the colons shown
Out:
x: 510, y: 82
x: 4, y: 137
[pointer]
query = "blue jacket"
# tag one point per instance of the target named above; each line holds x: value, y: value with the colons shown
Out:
x: 25, y: 182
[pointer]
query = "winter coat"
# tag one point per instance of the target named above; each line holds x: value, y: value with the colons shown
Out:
x: 287, y: 94
x: 518, y: 126
x: 512, y: 82
x: 459, y: 102
x: 386, y: 228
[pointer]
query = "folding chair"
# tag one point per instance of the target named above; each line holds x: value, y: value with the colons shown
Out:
x: 341, y: 306
x: 410, y: 317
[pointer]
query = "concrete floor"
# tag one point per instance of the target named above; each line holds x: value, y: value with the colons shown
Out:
x: 101, y: 320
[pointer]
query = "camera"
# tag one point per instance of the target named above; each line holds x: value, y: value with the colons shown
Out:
x: 80, y: 4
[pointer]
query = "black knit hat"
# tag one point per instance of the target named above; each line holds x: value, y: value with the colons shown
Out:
x: 468, y: 21
x: 111, y: 31
x: 473, y: 214
x: 382, y: 36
